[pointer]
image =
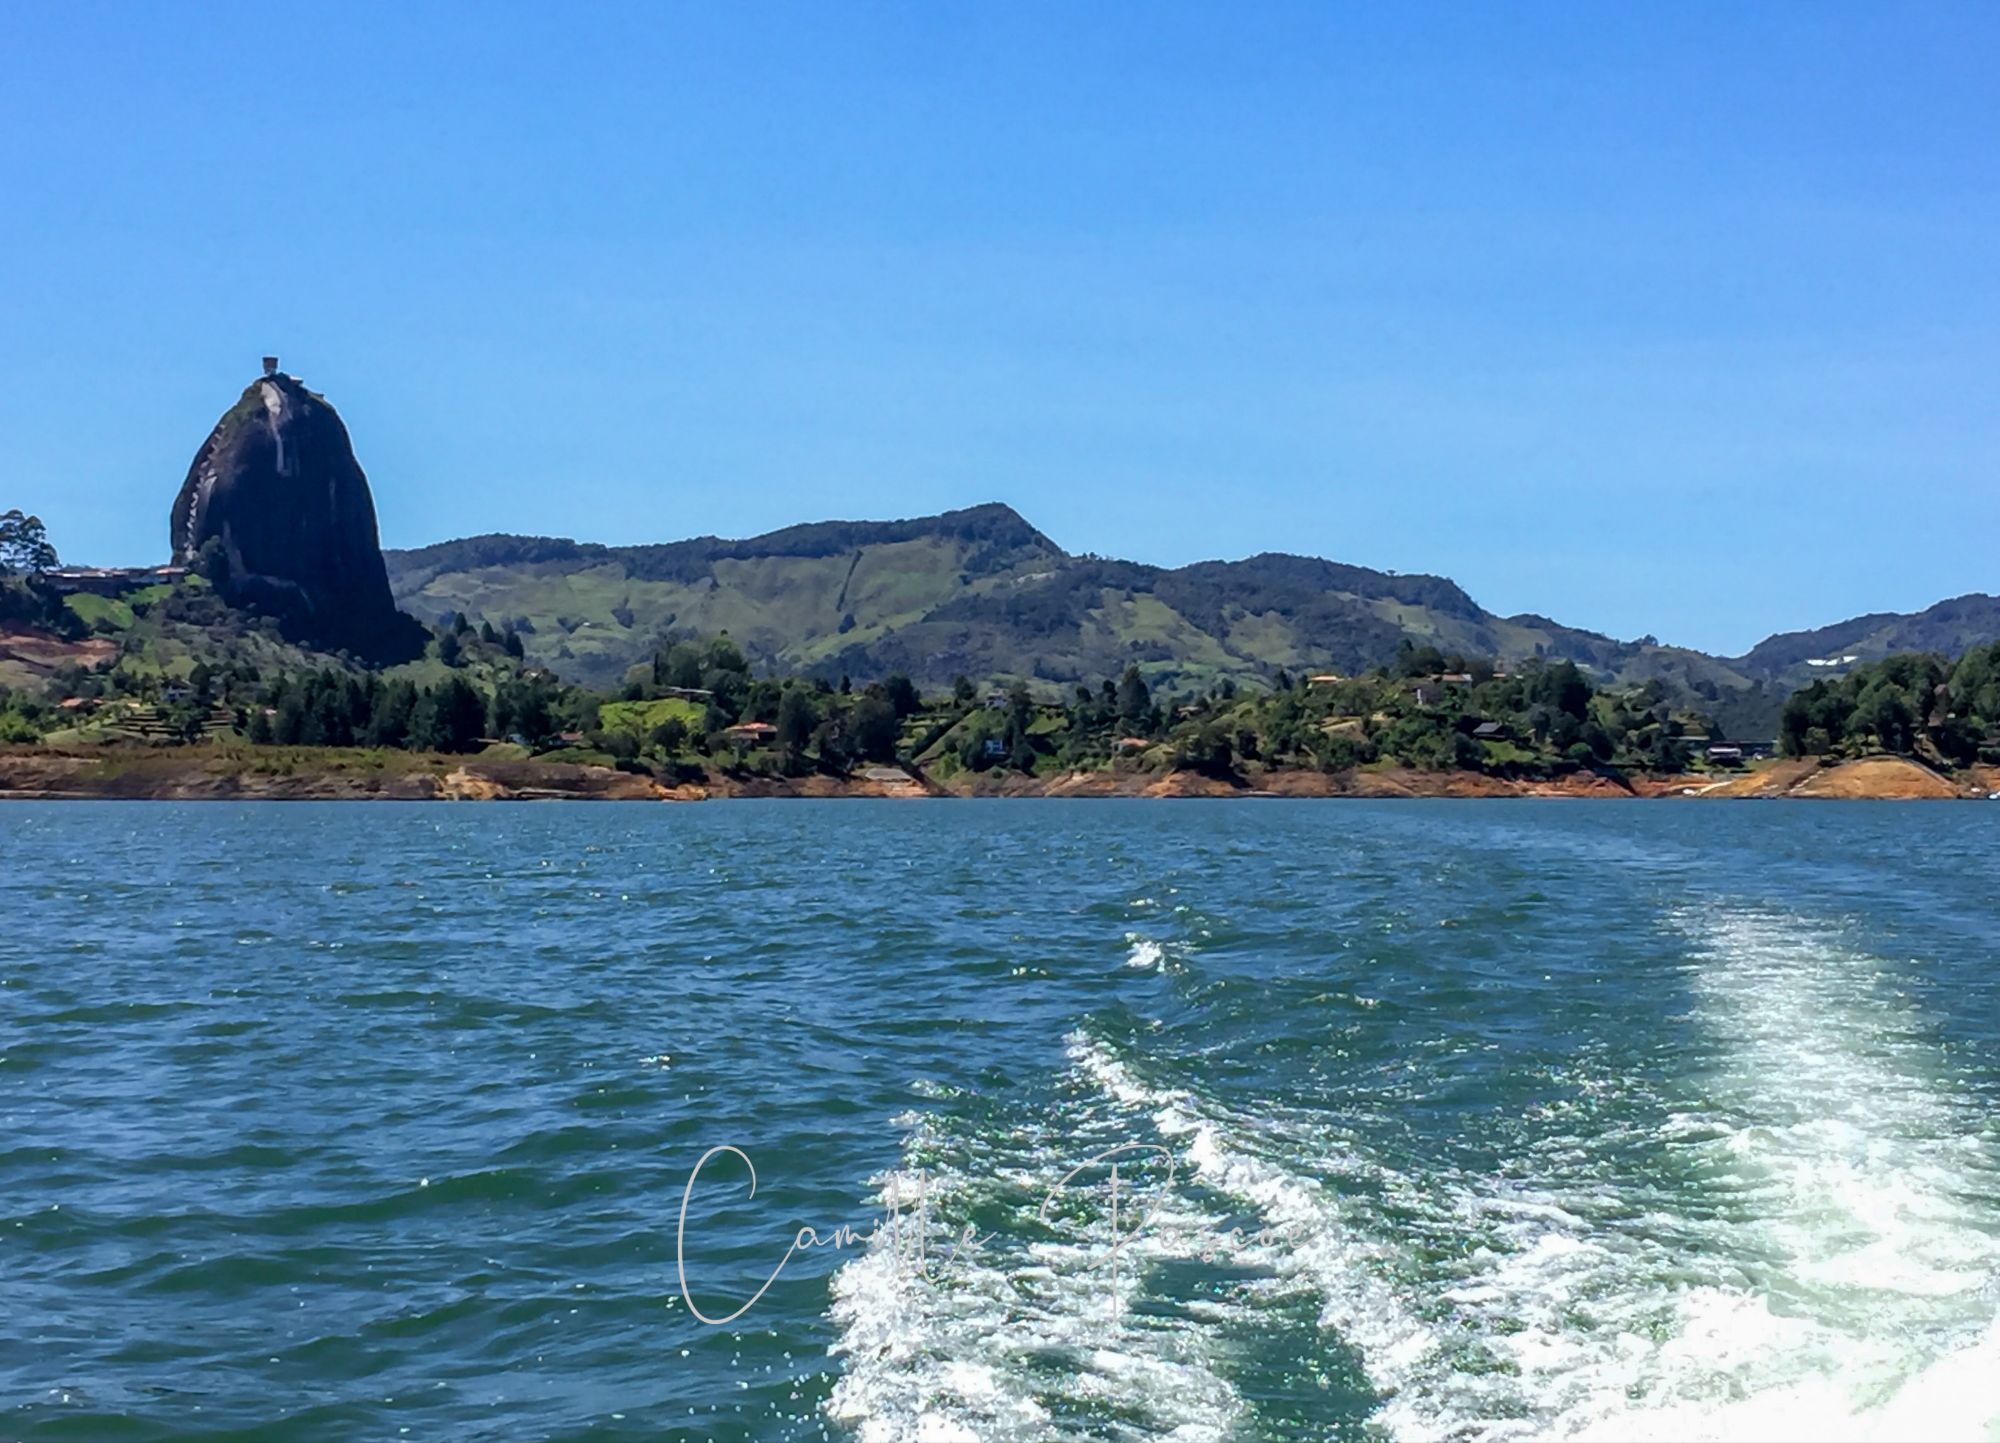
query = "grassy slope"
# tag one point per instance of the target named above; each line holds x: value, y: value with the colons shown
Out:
x: 154, y: 647
x: 641, y: 717
x: 983, y: 594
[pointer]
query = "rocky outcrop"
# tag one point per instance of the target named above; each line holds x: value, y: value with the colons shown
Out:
x: 277, y: 512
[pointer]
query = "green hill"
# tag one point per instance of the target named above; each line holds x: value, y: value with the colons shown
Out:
x: 1949, y: 629
x: 982, y: 593
x: 178, y: 642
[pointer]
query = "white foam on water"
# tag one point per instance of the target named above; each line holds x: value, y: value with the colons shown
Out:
x: 1831, y: 1272
x: 1819, y: 1257
x: 1862, y: 1200
x: 1836, y: 1276
x: 1863, y: 1167
x: 1427, y: 1349
x: 1306, y: 1237
x: 1145, y: 953
x: 1011, y: 1341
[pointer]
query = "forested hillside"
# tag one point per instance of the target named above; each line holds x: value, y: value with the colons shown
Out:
x: 982, y: 593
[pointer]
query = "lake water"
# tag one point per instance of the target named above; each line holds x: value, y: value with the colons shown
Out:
x: 1434, y: 1120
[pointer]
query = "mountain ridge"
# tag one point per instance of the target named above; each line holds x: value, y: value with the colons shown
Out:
x: 1288, y: 579
x: 981, y: 592
x: 1948, y: 627
x: 810, y: 538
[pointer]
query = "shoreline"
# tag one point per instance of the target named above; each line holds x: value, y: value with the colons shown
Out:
x: 243, y: 773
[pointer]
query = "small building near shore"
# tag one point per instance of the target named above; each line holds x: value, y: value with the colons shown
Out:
x: 750, y: 734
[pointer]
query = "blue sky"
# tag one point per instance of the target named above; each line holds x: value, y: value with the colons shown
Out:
x: 1678, y: 320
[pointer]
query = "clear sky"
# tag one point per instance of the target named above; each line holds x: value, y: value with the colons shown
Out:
x: 1678, y: 320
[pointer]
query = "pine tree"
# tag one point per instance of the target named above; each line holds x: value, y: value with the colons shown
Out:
x: 1135, y: 701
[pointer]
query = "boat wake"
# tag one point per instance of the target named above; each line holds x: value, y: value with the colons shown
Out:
x: 1038, y: 1331
x: 1807, y: 1246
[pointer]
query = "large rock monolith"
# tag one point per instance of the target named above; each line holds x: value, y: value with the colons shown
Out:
x: 277, y: 513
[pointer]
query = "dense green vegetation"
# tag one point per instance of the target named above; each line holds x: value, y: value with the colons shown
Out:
x: 187, y: 667
x: 27, y: 604
x: 982, y: 593
x: 1917, y: 705
x: 171, y: 663
x: 25, y: 553
x: 24, y: 545
x: 1428, y: 710
x: 182, y: 665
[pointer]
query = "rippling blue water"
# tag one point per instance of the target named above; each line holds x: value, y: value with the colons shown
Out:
x: 1443, y: 1120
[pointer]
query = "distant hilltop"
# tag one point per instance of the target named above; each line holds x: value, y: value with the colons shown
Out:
x: 985, y: 594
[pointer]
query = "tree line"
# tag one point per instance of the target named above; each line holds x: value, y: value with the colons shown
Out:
x: 1912, y: 704
x: 1428, y: 708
